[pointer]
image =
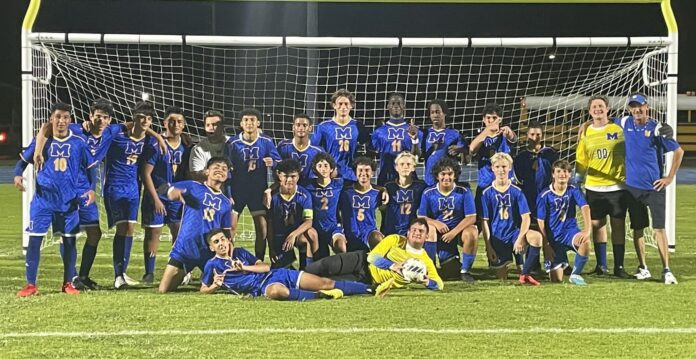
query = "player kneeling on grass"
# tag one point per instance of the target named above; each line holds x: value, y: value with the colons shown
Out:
x: 506, y: 220
x: 242, y: 273
x: 557, y: 223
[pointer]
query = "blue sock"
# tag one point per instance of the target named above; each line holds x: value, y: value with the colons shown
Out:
x: 431, y: 249
x: 579, y: 263
x: 69, y: 258
x: 127, y: 252
x: 310, y: 260
x: 467, y: 261
x: 619, y: 250
x: 89, y: 252
x: 118, y: 250
x: 150, y: 258
x: 601, y: 254
x: 350, y: 287
x: 303, y: 259
x: 32, y: 258
x: 532, y: 259
x: 301, y: 294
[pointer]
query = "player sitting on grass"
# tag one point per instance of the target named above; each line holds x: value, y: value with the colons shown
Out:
x: 557, y: 223
x: 242, y: 273
x: 506, y: 222
x: 450, y: 211
x: 384, y: 264
x: 205, y: 208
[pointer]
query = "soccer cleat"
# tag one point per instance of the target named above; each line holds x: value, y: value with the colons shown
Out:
x: 528, y: 279
x: 148, y: 278
x: 577, y: 279
x: 467, y: 278
x: 120, y: 283
x: 69, y: 288
x: 330, y: 294
x: 669, y: 278
x: 621, y: 273
x: 601, y: 271
x: 85, y: 283
x: 130, y: 281
x: 642, y: 274
x: 187, y: 279
x: 383, y: 288
x: 547, y: 266
x: 27, y: 291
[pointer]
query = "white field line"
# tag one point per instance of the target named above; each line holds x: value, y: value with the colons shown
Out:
x: 352, y: 330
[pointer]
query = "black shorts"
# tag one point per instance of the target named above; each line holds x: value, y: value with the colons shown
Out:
x: 251, y: 198
x: 602, y: 204
x: 639, y: 202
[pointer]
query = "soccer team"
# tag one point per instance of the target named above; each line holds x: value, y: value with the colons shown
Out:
x: 323, y: 199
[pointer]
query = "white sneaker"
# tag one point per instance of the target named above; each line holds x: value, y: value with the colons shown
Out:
x: 187, y: 279
x: 577, y: 279
x: 642, y: 274
x: 669, y: 278
x: 130, y: 281
x: 120, y: 283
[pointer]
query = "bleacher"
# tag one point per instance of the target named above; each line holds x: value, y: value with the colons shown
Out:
x: 686, y: 135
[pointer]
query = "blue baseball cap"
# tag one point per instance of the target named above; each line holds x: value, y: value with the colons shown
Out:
x: 637, y: 98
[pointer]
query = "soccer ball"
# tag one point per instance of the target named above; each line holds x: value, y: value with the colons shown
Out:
x: 414, y: 270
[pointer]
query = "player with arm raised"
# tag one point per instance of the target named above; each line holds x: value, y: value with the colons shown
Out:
x: 300, y: 148
x: 206, y: 208
x: 212, y: 145
x: 252, y: 155
x: 506, y: 220
x: 440, y: 141
x: 340, y: 135
x: 396, y: 135
x: 405, y: 195
x: 61, y: 187
x: 558, y: 226
x: 450, y: 212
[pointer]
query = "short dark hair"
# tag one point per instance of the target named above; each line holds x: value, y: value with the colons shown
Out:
x: 218, y: 159
x: 288, y: 166
x: 364, y: 161
x: 323, y: 156
x: 250, y: 112
x: 60, y: 106
x: 144, y: 108
x: 303, y: 115
x: 213, y: 113
x: 422, y: 221
x: 102, y: 105
x: 598, y: 97
x: 491, y: 108
x: 534, y: 124
x: 563, y: 164
x: 213, y: 233
x: 395, y: 94
x: 441, y: 103
x: 343, y: 93
x: 173, y: 110
x: 446, y: 162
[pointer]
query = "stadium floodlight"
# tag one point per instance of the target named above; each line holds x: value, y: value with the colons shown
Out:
x: 282, y: 76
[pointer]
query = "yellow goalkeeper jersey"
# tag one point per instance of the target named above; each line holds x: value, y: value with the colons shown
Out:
x: 601, y: 155
x: 393, y: 247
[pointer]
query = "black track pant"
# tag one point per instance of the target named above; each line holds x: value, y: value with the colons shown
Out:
x: 344, y: 266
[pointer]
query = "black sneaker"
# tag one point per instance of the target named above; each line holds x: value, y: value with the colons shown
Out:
x: 85, y: 283
x: 467, y: 278
x: 148, y: 279
x: 601, y: 271
x: 621, y: 273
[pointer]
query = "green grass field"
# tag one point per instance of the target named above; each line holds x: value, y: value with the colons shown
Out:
x: 608, y: 318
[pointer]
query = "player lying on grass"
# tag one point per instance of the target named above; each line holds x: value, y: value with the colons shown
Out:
x: 384, y: 264
x: 557, y: 223
x: 242, y: 273
x: 506, y: 222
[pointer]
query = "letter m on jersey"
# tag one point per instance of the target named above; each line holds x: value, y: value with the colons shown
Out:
x: 59, y: 150
x: 301, y: 158
x: 613, y: 136
x: 436, y: 137
x: 395, y: 133
x: 251, y: 153
x: 212, y: 202
x: 445, y: 203
x: 134, y: 148
x: 361, y: 202
x: 344, y: 133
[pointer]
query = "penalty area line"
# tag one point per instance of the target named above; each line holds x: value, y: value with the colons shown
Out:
x: 356, y: 330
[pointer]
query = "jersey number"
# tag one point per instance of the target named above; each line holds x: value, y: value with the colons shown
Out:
x: 447, y: 215
x: 396, y: 146
x: 209, y: 214
x: 252, y: 165
x: 406, y: 208
x: 132, y: 159
x: 343, y: 145
x: 60, y: 164
x: 361, y: 214
x: 324, y: 203
x: 602, y: 153
x: 504, y: 214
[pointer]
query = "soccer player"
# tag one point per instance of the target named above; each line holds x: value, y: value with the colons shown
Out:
x: 162, y: 169
x: 449, y: 210
x: 239, y: 272
x: 384, y: 263
x: 340, y: 135
x: 325, y: 192
x: 251, y: 155
x: 395, y: 136
x: 558, y: 226
x: 645, y: 181
x: 206, y: 208
x: 358, y: 208
x: 213, y: 145
x: 440, y: 141
x: 405, y: 194
x: 600, y: 156
x: 291, y: 217
x: 506, y: 219
x: 300, y: 148
x: 61, y: 186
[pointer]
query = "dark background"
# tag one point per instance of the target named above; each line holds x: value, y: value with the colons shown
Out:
x: 333, y: 19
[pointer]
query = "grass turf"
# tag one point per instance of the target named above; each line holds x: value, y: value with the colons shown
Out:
x: 608, y: 318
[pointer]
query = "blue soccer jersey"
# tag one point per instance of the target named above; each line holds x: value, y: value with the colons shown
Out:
x: 238, y: 282
x: 205, y: 209
x: 557, y: 210
x: 503, y: 211
x: 358, y: 214
x: 450, y: 207
x: 288, y: 213
x: 533, y: 171
x: 389, y: 140
x: 287, y: 149
x: 164, y: 166
x: 402, y: 207
x: 325, y: 203
x: 341, y: 141
x: 248, y: 169
x: 644, y: 152
x: 489, y: 147
x: 122, y: 161
x: 435, y: 147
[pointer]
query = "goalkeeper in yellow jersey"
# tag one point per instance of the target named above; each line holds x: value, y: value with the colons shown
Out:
x: 383, y: 264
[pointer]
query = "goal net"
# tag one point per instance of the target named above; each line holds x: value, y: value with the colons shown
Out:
x: 547, y: 80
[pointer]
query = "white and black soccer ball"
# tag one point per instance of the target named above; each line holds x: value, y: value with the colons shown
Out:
x: 414, y: 270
